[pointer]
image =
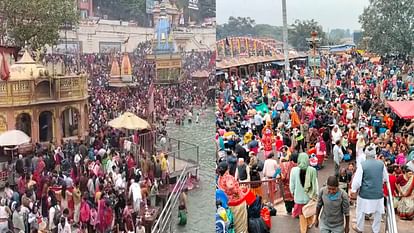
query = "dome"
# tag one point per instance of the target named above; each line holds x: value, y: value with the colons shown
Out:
x: 115, y: 70
x: 126, y: 65
x: 26, y: 68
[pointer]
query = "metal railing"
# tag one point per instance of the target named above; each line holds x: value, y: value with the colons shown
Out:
x: 271, y: 190
x: 391, y: 222
x: 163, y: 223
x: 182, y: 153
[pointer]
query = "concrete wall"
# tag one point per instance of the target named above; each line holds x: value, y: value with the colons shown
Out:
x: 92, y: 35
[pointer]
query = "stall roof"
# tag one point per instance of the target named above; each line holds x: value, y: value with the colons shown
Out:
x: 404, y: 109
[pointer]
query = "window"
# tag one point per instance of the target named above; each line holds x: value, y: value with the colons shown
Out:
x: 84, y: 14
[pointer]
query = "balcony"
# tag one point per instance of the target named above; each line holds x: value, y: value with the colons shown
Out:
x: 43, y: 90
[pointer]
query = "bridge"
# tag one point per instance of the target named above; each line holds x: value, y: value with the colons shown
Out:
x: 242, y: 51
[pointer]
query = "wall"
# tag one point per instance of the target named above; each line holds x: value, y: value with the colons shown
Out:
x: 92, y: 35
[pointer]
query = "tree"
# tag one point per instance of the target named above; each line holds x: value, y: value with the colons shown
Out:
x: 301, y: 30
x: 388, y: 26
x: 240, y: 26
x: 123, y: 10
x: 37, y: 22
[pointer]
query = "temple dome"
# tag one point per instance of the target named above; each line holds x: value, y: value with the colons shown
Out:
x: 26, y: 68
x: 126, y: 69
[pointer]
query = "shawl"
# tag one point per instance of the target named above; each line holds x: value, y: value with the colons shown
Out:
x: 311, y: 183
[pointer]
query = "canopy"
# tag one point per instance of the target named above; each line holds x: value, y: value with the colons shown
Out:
x: 129, y: 120
x: 404, y: 109
x: 13, y: 138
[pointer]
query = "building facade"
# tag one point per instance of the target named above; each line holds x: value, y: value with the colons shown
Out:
x: 47, y: 107
x: 85, y: 8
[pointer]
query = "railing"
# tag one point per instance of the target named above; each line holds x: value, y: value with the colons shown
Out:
x: 181, y: 153
x: 270, y: 189
x: 391, y: 223
x: 163, y: 223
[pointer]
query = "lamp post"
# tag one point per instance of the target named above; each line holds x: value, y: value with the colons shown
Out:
x: 285, y: 39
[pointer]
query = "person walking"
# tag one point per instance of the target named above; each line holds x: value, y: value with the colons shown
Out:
x: 304, y: 187
x: 368, y: 182
x: 338, y: 155
x: 335, y: 203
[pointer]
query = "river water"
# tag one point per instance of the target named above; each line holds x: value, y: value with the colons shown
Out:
x: 201, y: 201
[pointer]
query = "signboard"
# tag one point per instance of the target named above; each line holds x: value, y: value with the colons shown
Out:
x: 193, y: 4
x: 314, y: 61
x: 149, y: 6
x: 315, y: 82
x: 109, y: 47
x: 71, y: 46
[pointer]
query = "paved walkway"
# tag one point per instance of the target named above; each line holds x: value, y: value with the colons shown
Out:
x: 284, y: 223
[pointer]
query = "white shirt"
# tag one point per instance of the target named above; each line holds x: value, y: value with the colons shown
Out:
x: 368, y: 206
x: 135, y: 190
x: 269, y: 167
x: 336, y: 136
x: 410, y: 165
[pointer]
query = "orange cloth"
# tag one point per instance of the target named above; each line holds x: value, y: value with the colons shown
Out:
x: 295, y: 119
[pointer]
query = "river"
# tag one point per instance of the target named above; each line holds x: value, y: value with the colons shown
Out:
x: 201, y: 201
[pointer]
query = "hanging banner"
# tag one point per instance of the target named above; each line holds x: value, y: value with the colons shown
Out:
x: 193, y: 4
x: 149, y: 6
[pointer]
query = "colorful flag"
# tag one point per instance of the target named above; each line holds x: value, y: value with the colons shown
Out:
x: 4, y: 68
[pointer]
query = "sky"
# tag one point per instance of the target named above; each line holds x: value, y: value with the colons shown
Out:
x: 330, y: 14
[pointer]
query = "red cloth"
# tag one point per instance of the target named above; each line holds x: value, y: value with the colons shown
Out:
x: 265, y: 214
x: 393, y: 182
x: 297, y: 210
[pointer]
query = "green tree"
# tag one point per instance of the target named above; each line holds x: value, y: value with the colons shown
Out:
x: 301, y: 30
x: 123, y: 10
x: 389, y: 26
x: 37, y: 22
x: 240, y: 26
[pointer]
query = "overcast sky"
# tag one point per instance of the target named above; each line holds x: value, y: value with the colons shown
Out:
x: 329, y: 13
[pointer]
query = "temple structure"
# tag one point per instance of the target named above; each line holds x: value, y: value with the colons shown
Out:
x: 46, y: 106
x: 168, y: 62
x: 121, y: 76
x: 165, y: 8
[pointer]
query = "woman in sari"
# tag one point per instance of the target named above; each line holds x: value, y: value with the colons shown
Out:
x: 405, y: 207
x: 288, y: 162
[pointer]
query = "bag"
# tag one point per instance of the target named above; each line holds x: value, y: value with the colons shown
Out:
x: 347, y: 157
x: 309, y: 209
x: 57, y: 216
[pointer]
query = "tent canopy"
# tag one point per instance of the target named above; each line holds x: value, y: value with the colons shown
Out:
x: 130, y: 121
x: 404, y: 109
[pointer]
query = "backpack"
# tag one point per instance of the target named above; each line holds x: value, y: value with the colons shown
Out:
x: 85, y: 212
x: 57, y: 216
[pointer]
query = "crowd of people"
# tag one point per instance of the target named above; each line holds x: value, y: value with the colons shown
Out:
x: 98, y: 184
x: 276, y: 129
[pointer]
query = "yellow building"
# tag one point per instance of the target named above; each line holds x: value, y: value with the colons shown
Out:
x: 46, y: 107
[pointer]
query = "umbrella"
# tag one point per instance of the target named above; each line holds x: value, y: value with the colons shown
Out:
x: 13, y: 138
x: 129, y: 121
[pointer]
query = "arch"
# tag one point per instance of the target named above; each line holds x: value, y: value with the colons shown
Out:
x: 43, y: 90
x: 244, y: 46
x: 46, y: 126
x: 70, y: 122
x: 24, y: 123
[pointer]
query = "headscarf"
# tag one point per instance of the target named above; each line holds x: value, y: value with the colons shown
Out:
x: 303, y: 161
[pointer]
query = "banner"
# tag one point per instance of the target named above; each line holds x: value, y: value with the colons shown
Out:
x: 149, y: 5
x: 193, y: 4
